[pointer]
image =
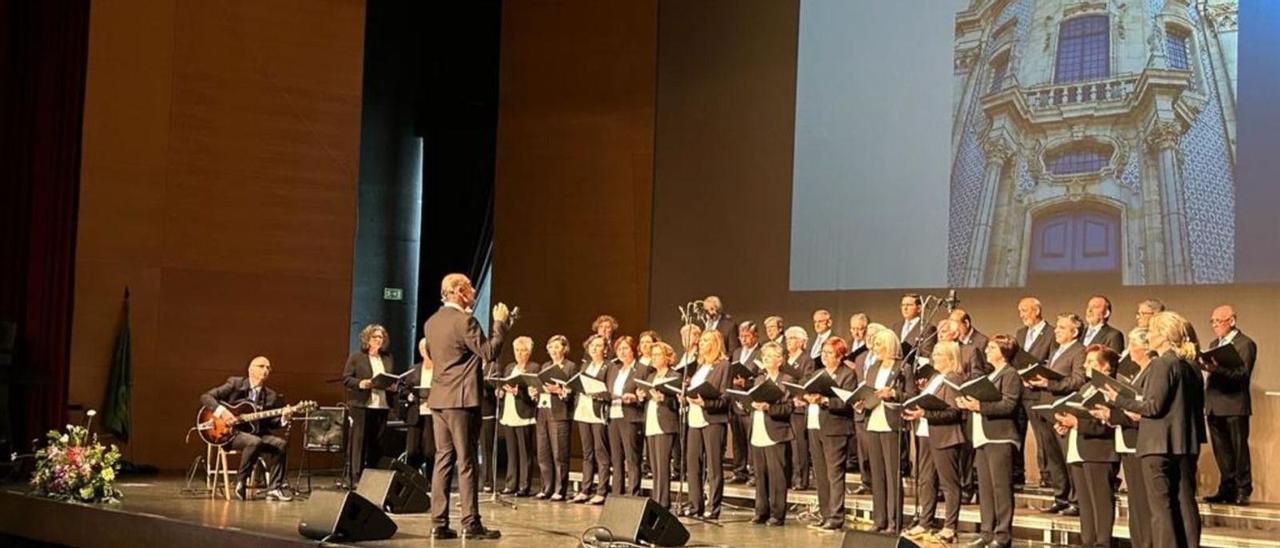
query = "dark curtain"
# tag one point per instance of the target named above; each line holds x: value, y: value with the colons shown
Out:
x: 43, y: 59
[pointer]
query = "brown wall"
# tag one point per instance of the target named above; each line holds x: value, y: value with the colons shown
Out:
x: 726, y: 109
x: 218, y: 183
x: 575, y: 164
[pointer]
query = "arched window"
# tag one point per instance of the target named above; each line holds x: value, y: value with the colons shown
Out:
x: 1176, y: 40
x: 1083, y: 49
x: 1077, y: 158
x: 999, y: 72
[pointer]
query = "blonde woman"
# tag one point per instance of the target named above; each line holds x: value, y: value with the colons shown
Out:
x: 884, y: 427
x: 1171, y: 430
x: 943, y: 434
x: 369, y: 405
x: 708, y: 420
x: 769, y: 431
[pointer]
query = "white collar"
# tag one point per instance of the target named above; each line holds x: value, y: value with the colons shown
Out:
x: 455, y: 306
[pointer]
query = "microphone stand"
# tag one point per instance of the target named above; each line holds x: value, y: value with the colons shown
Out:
x: 496, y: 497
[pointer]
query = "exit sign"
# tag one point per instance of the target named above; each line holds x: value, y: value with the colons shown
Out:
x: 392, y: 294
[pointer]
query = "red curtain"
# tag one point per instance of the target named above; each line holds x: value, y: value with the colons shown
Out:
x: 43, y: 60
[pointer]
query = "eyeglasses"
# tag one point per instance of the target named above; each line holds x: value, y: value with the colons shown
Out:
x: 1218, y: 322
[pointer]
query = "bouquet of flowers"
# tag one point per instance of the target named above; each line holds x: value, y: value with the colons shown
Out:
x: 74, y: 466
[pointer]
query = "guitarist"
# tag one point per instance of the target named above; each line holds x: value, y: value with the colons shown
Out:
x: 271, y: 447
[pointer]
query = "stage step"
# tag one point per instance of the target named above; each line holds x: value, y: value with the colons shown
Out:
x: 1224, y: 526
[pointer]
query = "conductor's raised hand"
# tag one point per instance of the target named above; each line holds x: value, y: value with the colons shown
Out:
x: 501, y: 313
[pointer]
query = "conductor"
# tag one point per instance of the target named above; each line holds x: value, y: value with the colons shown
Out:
x: 458, y: 347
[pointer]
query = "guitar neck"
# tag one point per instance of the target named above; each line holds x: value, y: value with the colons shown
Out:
x: 249, y: 417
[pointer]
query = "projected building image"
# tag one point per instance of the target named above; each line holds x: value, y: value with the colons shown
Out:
x: 1093, y: 141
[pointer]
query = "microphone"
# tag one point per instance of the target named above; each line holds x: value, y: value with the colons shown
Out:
x: 515, y: 314
x: 952, y: 301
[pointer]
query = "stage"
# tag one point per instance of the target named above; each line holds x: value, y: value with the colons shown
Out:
x: 156, y: 512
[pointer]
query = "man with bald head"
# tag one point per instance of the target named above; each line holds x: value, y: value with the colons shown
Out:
x: 717, y: 320
x: 458, y: 348
x: 253, y: 388
x: 1227, y: 408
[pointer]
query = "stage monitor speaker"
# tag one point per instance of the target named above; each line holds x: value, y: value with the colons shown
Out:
x: 326, y: 430
x: 399, y: 491
x: 866, y: 539
x: 344, y: 515
x: 640, y: 520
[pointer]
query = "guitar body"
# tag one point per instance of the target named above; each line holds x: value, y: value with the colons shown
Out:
x: 217, y: 431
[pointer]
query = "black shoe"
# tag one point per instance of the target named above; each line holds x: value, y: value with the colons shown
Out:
x: 774, y: 522
x: 833, y: 525
x: 242, y: 491
x: 280, y: 494
x: 523, y: 494
x: 1220, y: 498
x: 1242, y: 500
x: 443, y: 533
x: 759, y: 520
x: 1057, y: 507
x: 739, y: 479
x: 480, y: 533
x: 1071, y: 510
x: 862, y: 490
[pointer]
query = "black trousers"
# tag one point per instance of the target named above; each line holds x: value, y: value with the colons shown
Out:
x: 995, y: 491
x: 553, y: 453
x: 1097, y: 507
x: 1139, y: 508
x: 420, y: 446
x: 771, y: 481
x: 1020, y: 461
x: 945, y: 465
x: 269, y: 447
x: 659, y: 452
x: 886, y: 480
x: 625, y: 442
x: 520, y: 456
x: 830, y: 453
x: 739, y: 425
x: 488, y: 441
x: 1230, y: 436
x: 864, y: 452
x: 363, y: 449
x: 1171, y: 495
x: 1055, y: 459
x: 927, y: 478
x: 703, y: 460
x: 800, y: 462
x: 595, y: 458
x: 455, y: 432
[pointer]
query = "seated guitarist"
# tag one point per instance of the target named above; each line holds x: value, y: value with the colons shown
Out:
x: 253, y: 389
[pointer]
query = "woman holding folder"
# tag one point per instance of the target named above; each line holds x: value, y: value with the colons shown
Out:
x: 626, y: 418
x: 994, y: 431
x: 1126, y: 440
x: 553, y: 428
x: 1091, y: 455
x: 769, y: 432
x: 589, y: 413
x: 516, y: 416
x: 829, y: 421
x: 708, y: 419
x: 884, y: 425
x: 661, y: 420
x: 942, y: 431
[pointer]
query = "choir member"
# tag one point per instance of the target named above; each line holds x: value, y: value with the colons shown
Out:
x: 369, y: 406
x: 1036, y: 338
x: 773, y: 330
x: 420, y: 443
x: 717, y: 320
x: 626, y: 418
x: 883, y: 428
x: 1068, y: 361
x: 770, y: 430
x: 1091, y: 456
x: 1126, y: 442
x: 1097, y: 312
x: 646, y: 341
x: 863, y: 331
x: 799, y: 366
x: 516, y: 418
x: 830, y: 425
x: 1147, y: 309
x: 913, y: 330
x: 589, y: 413
x: 605, y: 326
x: 995, y: 435
x: 708, y: 420
x: 1228, y: 408
x: 739, y: 422
x: 661, y: 422
x: 1170, y: 432
x: 942, y: 434
x: 553, y: 424
x: 821, y: 331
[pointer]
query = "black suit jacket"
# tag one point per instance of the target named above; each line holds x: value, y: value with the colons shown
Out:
x: 1043, y: 346
x: 411, y: 382
x: 835, y: 418
x: 1171, y: 407
x: 459, y: 349
x: 801, y: 370
x: 668, y: 411
x: 946, y: 427
x: 526, y: 405
x: 634, y: 411
x: 927, y: 334
x: 560, y: 404
x: 998, y: 417
x: 359, y: 368
x: 777, y: 420
x: 1129, y: 427
x: 716, y: 411
x: 1107, y: 336
x: 729, y: 331
x: 600, y: 402
x: 236, y: 390
x: 1070, y: 364
x: 898, y: 382
x: 1227, y: 392
x: 1095, y: 440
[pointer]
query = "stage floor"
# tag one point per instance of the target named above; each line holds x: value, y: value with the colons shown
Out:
x: 221, y: 522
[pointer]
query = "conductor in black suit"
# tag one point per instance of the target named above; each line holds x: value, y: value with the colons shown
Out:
x: 1068, y: 361
x: 253, y: 388
x: 1228, y: 408
x: 1097, y: 312
x: 369, y: 405
x: 457, y: 346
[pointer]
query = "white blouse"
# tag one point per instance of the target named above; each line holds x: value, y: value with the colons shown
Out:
x: 377, y: 397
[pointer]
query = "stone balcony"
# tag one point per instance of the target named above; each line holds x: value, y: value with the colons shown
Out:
x: 1118, y: 95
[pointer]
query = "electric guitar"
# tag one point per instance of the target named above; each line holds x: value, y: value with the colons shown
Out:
x: 219, y: 430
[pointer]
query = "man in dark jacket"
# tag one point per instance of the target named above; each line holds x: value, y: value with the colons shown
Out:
x: 252, y: 388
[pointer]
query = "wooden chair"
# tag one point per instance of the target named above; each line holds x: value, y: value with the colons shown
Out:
x: 218, y: 470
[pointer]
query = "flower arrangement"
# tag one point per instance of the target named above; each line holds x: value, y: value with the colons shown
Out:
x: 73, y: 466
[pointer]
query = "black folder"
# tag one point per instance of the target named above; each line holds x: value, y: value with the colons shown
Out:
x: 1226, y: 355
x: 820, y: 383
x: 926, y: 401
x: 1099, y: 380
x: 1040, y: 370
x: 765, y: 392
x: 382, y: 381
x: 980, y: 388
x: 704, y: 390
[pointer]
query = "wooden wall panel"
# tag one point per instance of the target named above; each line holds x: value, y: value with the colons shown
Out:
x: 219, y: 179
